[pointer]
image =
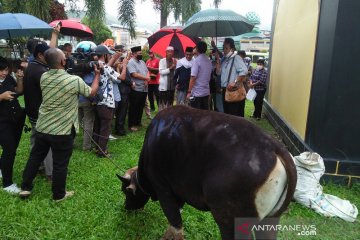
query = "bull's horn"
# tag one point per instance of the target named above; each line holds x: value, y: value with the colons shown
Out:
x: 124, y: 179
x: 132, y: 188
x: 130, y: 171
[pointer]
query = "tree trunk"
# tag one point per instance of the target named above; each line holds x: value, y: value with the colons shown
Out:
x: 163, y: 16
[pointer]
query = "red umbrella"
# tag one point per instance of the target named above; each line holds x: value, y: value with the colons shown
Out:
x: 73, y: 28
x: 171, y: 36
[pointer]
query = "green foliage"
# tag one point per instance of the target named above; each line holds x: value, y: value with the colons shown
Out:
x: 46, y: 10
x: 183, y: 10
x: 13, y: 6
x: 127, y: 15
x: 95, y: 11
x: 100, y: 30
x: 39, y: 9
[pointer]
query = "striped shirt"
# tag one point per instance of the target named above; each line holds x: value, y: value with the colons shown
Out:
x: 58, y: 112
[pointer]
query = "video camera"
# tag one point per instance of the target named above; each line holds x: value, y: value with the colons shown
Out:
x: 80, y: 63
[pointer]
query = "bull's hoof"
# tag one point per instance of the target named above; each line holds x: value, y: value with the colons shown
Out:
x: 173, y: 234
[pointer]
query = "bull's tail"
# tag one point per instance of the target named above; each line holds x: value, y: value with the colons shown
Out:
x: 289, y: 190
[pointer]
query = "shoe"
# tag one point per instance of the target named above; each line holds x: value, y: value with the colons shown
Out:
x: 13, y: 189
x: 111, y: 137
x: 24, y: 194
x: 133, y: 129
x: 67, y: 195
x: 258, y: 119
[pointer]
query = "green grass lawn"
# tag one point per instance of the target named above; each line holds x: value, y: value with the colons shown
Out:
x: 96, y: 211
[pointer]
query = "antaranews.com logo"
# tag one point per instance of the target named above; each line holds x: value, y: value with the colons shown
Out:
x: 266, y: 229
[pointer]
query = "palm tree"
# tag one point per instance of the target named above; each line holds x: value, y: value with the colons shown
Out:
x: 14, y: 6
x: 182, y: 10
x: 39, y: 8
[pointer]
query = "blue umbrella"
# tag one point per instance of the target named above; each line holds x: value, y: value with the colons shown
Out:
x: 14, y: 25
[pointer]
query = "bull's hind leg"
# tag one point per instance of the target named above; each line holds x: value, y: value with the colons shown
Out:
x: 171, y: 208
x: 225, y: 219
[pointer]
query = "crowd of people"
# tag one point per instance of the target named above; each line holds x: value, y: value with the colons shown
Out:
x: 112, y: 85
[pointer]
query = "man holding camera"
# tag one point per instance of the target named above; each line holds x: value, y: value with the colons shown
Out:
x: 105, y: 99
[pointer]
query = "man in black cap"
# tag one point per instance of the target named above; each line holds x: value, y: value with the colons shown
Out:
x: 33, y: 97
x: 138, y: 72
x: 182, y: 75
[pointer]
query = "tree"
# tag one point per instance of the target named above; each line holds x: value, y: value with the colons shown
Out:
x: 127, y: 15
x: 100, y: 30
x: 182, y: 10
x: 39, y: 8
x: 57, y: 11
x: 46, y: 10
x: 14, y: 6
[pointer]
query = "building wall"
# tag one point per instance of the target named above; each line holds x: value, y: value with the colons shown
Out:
x: 292, y: 61
x: 262, y: 45
x: 328, y: 120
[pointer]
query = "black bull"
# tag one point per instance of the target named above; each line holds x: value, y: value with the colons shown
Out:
x: 214, y: 162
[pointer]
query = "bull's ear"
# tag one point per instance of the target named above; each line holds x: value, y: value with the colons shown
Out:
x: 125, y: 180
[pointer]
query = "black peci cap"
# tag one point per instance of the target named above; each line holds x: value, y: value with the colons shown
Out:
x: 136, y: 49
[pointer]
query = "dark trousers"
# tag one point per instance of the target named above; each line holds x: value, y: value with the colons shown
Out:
x: 233, y: 108
x: 153, y: 90
x: 102, y: 126
x: 166, y: 98
x: 258, y: 103
x: 62, y: 147
x: 10, y: 134
x: 200, y: 102
x: 121, y: 112
x: 137, y: 103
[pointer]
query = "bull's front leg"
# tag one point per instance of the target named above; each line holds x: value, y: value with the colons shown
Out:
x: 171, y: 208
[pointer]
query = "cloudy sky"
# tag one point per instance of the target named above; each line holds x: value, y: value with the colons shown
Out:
x: 149, y: 18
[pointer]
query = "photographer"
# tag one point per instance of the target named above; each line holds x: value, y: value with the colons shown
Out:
x: 12, y: 118
x: 105, y: 99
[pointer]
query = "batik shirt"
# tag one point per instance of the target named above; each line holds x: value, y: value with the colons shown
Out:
x: 106, y: 85
x: 58, y: 111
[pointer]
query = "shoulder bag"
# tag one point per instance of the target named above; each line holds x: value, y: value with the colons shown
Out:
x: 237, y: 93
